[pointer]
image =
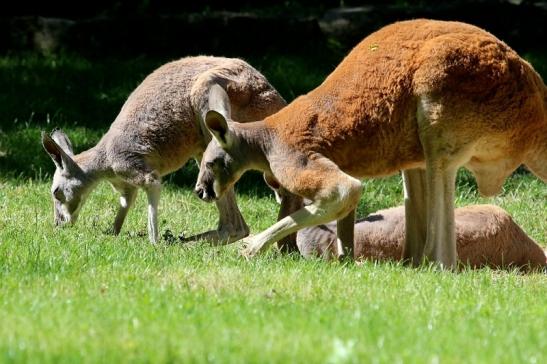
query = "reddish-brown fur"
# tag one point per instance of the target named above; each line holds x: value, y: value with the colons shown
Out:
x: 486, y: 235
x: 421, y: 96
x: 363, y: 116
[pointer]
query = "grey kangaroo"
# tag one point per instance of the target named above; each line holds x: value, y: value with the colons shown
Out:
x: 159, y: 128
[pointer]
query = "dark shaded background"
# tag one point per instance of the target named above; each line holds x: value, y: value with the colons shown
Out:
x: 73, y: 64
x: 244, y: 27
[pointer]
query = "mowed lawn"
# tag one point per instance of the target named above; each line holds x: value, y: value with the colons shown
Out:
x: 78, y: 294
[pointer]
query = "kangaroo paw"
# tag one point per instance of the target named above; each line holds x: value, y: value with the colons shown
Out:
x: 251, y: 247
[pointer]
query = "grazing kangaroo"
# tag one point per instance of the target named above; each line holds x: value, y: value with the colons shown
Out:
x: 486, y: 235
x: 421, y: 96
x: 159, y: 128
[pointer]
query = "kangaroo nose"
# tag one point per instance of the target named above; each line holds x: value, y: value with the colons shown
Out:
x: 200, y: 192
x: 204, y: 193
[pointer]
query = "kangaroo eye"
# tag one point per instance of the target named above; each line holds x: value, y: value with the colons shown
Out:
x: 210, y: 164
x: 58, y: 194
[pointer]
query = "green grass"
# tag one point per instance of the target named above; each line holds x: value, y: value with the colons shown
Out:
x: 77, y: 294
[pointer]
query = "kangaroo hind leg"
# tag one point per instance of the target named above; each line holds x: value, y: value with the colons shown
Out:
x: 415, y: 215
x: 446, y: 148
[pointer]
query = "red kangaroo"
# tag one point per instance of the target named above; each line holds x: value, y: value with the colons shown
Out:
x: 421, y: 96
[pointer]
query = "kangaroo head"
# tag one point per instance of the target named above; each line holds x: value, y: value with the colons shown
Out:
x: 223, y: 161
x: 70, y: 182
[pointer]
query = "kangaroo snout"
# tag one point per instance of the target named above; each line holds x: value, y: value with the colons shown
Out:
x: 59, y: 217
x: 204, y: 193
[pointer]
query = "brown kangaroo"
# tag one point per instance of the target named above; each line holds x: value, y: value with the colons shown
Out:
x: 422, y: 96
x: 159, y: 128
x: 486, y: 235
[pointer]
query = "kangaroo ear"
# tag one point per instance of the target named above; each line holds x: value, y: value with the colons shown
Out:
x: 61, y: 159
x: 218, y: 126
x: 219, y: 101
x: 62, y: 140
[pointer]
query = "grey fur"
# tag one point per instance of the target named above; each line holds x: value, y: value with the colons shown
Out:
x: 159, y: 128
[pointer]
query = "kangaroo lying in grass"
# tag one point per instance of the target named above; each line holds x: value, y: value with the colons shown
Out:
x: 159, y: 128
x: 421, y: 96
x: 486, y: 235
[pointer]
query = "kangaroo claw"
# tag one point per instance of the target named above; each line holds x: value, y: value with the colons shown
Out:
x: 250, y: 248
